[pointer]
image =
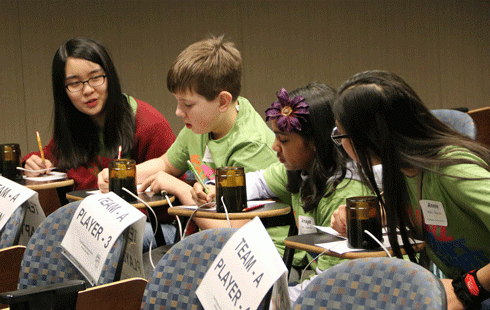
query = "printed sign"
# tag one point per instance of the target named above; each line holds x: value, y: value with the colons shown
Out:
x: 243, y: 272
x: 13, y: 196
x: 97, y: 223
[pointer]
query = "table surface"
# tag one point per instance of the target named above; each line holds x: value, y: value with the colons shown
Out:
x: 39, y: 185
x: 268, y: 210
x: 152, y: 199
x: 307, y: 243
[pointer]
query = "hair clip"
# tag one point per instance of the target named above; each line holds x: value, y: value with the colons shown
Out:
x: 287, y: 111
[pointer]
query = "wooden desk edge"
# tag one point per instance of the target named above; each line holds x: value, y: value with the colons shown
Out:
x: 233, y: 216
x: 54, y: 184
x: 348, y: 255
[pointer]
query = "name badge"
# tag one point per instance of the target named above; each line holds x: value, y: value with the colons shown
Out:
x: 306, y: 225
x: 207, y: 156
x: 433, y: 212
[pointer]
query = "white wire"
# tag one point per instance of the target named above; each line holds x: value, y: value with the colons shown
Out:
x: 314, y: 259
x: 226, y: 211
x: 156, y: 222
x: 379, y: 242
x: 164, y: 193
x: 192, y: 215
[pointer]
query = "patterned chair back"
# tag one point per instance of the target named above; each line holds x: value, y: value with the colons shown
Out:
x: 10, y: 233
x: 459, y: 121
x: 374, y: 283
x: 43, y: 263
x: 177, y: 275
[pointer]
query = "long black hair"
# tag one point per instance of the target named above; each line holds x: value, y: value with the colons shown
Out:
x: 317, y: 127
x: 385, y: 119
x: 76, y: 136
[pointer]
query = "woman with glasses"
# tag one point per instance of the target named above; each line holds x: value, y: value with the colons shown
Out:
x: 436, y: 181
x: 92, y: 117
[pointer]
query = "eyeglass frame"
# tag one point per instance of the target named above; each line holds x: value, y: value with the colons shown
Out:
x: 86, y: 81
x: 337, y: 139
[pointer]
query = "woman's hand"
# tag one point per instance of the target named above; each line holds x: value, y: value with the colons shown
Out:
x: 200, y: 197
x: 36, y: 163
x: 338, y: 221
x: 103, y: 180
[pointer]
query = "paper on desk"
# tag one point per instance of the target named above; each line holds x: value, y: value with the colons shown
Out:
x: 40, y: 170
x: 53, y: 175
x: 342, y: 247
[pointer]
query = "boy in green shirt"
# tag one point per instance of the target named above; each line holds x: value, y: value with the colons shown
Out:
x: 221, y: 128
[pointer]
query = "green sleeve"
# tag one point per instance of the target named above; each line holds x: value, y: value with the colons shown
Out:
x: 178, y: 153
x: 276, y: 178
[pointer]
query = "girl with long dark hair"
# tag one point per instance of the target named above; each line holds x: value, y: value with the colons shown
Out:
x: 436, y: 181
x: 92, y: 117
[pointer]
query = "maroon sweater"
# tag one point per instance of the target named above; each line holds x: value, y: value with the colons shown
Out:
x: 152, y: 139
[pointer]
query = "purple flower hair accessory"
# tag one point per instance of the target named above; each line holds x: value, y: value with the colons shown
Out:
x: 287, y: 111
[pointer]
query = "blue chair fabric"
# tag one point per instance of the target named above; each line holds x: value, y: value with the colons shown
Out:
x: 43, y: 263
x: 373, y: 283
x: 179, y: 272
x: 10, y: 233
x: 459, y: 121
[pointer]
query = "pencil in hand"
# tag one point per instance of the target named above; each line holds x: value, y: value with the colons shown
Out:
x: 40, y: 148
x: 193, y: 169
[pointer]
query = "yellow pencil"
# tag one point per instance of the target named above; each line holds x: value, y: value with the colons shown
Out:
x: 40, y: 147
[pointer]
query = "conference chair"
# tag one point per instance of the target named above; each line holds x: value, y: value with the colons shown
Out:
x: 43, y: 265
x: 481, y: 117
x: 459, y: 121
x: 43, y: 262
x: 373, y: 283
x: 177, y: 275
x: 10, y: 233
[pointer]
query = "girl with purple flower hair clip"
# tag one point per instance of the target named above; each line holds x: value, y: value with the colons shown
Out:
x: 310, y: 176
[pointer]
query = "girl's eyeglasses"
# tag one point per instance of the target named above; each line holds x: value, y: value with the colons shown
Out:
x: 337, y: 136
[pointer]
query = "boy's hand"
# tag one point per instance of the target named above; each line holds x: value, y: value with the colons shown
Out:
x: 339, y: 219
x: 36, y: 163
x: 163, y: 181
x: 200, y: 197
x: 103, y: 180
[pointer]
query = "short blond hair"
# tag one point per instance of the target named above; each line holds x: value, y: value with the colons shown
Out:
x: 207, y: 67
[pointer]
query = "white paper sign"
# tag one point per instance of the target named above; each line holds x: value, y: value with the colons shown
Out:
x: 97, y: 223
x: 12, y: 196
x: 243, y: 272
x: 434, y: 213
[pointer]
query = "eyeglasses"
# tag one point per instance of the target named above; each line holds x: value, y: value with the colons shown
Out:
x: 93, y: 82
x: 337, y: 136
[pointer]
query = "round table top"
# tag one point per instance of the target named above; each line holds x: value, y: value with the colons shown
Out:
x: 307, y: 243
x: 152, y: 199
x: 268, y: 210
x: 39, y: 185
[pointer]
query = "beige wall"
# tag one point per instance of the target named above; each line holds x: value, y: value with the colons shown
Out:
x: 440, y: 47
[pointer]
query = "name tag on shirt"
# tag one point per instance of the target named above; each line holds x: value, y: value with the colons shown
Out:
x: 207, y: 156
x: 306, y: 225
x: 434, y: 213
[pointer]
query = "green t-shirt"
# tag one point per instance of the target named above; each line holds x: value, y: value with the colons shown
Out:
x: 247, y: 144
x: 464, y: 244
x: 276, y: 178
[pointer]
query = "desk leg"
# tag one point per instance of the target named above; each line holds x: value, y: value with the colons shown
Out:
x: 62, y: 191
x: 289, y: 252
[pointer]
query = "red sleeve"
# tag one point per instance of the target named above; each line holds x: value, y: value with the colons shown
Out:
x: 153, y: 134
